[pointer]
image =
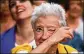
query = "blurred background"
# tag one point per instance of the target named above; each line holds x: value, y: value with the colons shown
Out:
x: 6, y: 21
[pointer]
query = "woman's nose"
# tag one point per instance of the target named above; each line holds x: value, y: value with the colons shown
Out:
x: 76, y: 6
x: 45, y: 35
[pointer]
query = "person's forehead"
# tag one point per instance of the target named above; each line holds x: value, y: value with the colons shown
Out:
x: 48, y: 20
x: 75, y: 1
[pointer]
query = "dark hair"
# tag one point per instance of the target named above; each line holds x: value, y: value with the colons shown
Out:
x: 83, y: 14
x: 66, y: 4
x: 9, y: 1
x: 31, y: 2
x: 55, y: 1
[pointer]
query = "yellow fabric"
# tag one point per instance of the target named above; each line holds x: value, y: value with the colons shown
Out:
x: 69, y: 49
x: 61, y: 48
x: 25, y: 48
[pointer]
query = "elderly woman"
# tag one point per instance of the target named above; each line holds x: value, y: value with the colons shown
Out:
x: 49, y: 25
x: 21, y: 11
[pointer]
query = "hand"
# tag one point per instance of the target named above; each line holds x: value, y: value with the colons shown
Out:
x: 61, y: 34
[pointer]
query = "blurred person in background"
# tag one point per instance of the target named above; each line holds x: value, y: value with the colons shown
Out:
x: 74, y: 20
x: 21, y: 11
x: 83, y: 10
x: 6, y: 21
x: 39, y: 2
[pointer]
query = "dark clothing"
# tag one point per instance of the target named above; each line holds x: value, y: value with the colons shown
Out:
x: 76, y: 42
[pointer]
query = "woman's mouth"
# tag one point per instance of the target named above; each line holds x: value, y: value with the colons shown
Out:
x: 20, y: 9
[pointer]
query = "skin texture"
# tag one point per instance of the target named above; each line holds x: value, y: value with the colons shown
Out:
x: 47, y: 33
x: 45, y: 28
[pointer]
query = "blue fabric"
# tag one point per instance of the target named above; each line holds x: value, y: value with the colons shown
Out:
x: 8, y: 40
x: 76, y: 42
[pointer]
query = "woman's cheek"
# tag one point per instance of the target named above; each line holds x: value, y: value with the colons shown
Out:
x: 13, y: 10
x: 50, y: 33
x: 38, y: 35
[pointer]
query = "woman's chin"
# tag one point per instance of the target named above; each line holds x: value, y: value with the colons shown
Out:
x: 22, y: 18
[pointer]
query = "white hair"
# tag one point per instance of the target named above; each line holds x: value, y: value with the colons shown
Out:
x: 49, y: 9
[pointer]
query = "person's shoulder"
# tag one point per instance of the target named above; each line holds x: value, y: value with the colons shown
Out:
x: 70, y: 49
x: 66, y: 49
x: 24, y: 48
x: 9, y: 32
